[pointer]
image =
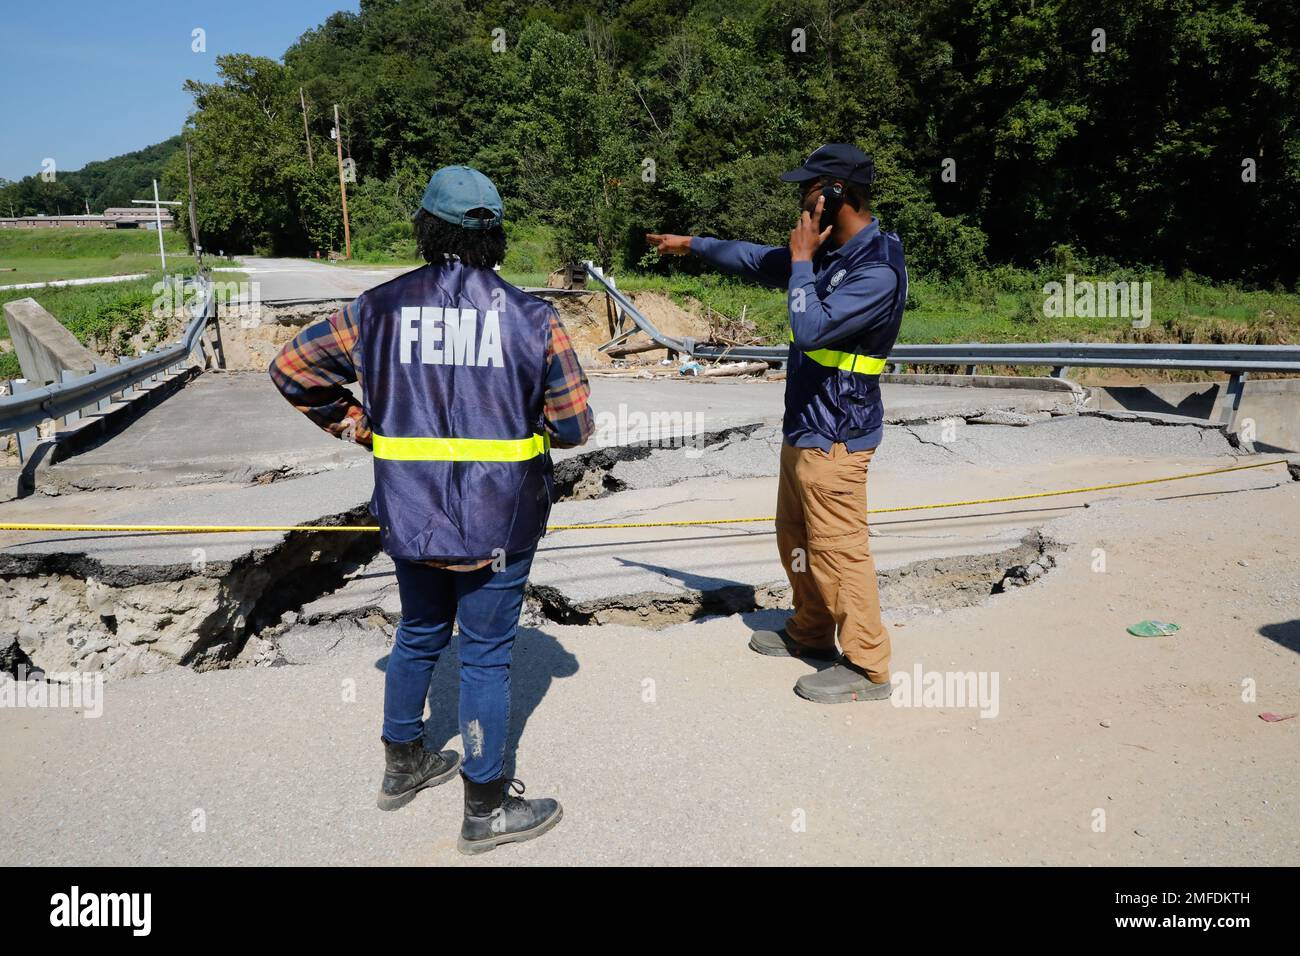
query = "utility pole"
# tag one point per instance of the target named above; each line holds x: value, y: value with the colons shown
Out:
x: 194, y: 219
x: 343, y: 188
x: 305, y: 132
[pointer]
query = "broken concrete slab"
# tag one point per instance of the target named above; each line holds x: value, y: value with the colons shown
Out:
x: 154, y: 601
x: 983, y: 441
x: 306, y: 643
x: 1269, y: 404
x: 198, y: 598
x: 329, y: 497
x: 631, y: 411
x: 1002, y: 416
x: 45, y: 347
x: 223, y: 426
x: 370, y: 588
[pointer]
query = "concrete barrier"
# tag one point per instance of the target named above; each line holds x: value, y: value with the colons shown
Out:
x: 1269, y: 407
x: 46, y: 349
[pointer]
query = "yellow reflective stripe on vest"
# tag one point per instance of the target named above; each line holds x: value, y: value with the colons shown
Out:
x: 846, y: 361
x: 460, y: 449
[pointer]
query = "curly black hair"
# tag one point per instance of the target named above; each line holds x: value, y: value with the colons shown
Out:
x: 436, y: 239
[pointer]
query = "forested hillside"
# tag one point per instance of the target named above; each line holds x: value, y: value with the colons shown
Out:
x: 1134, y: 132
x: 98, y: 185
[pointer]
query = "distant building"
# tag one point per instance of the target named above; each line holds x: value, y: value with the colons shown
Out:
x: 125, y: 216
x: 130, y: 217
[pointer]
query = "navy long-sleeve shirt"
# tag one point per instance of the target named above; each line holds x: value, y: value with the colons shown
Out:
x: 833, y: 299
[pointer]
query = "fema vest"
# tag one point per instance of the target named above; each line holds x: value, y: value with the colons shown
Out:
x: 453, y: 365
x: 835, y: 392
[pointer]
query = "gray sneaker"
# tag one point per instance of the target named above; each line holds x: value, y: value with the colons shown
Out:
x: 781, y: 644
x: 840, y: 683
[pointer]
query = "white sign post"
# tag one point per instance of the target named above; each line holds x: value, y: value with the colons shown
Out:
x: 157, y: 209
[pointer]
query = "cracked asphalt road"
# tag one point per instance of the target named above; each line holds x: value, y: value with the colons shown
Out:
x: 677, y: 745
x: 680, y: 746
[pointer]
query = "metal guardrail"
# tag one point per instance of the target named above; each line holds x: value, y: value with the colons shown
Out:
x: 1237, y: 360
x: 1060, y: 356
x: 25, y: 410
x: 1216, y: 358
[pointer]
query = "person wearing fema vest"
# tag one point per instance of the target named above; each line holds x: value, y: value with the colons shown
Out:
x: 847, y: 284
x: 466, y: 382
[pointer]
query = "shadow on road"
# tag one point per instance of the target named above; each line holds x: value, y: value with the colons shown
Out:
x: 1285, y: 633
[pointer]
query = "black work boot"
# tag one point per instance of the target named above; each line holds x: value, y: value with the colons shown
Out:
x: 410, y: 768
x: 494, y: 815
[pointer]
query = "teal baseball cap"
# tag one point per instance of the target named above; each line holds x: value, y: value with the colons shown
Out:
x: 454, y: 191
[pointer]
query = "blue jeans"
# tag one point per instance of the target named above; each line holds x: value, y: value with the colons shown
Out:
x: 486, y: 603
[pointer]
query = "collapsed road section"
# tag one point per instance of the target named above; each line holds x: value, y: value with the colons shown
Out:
x: 135, y: 603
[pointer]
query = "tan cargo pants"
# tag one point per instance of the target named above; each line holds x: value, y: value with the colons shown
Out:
x: 821, y: 531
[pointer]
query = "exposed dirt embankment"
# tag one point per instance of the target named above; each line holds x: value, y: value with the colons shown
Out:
x: 252, y: 341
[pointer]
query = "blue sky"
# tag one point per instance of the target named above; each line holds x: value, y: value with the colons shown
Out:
x: 82, y: 80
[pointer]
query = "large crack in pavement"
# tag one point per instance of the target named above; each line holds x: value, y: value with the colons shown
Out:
x: 68, y: 611
x: 73, y: 612
x: 939, y: 583
x: 594, y: 474
x: 368, y: 617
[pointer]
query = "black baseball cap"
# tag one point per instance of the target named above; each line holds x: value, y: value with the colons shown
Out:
x: 836, y: 161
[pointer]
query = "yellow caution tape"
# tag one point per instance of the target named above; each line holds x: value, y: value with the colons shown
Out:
x: 253, y: 528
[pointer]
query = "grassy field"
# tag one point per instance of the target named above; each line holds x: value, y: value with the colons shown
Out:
x: 42, y: 255
x: 1005, y: 305
x: 103, y: 317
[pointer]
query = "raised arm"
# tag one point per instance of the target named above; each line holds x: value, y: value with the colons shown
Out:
x: 862, y: 301
x: 769, y: 265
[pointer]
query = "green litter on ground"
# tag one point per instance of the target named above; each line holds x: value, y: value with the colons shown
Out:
x: 1152, y: 629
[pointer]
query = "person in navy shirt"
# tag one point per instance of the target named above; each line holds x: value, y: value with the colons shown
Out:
x: 846, y: 281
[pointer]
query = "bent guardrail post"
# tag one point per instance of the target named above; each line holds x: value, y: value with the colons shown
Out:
x: 218, y: 347
x: 686, y: 345
x: 1230, y: 403
x: 27, y: 437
